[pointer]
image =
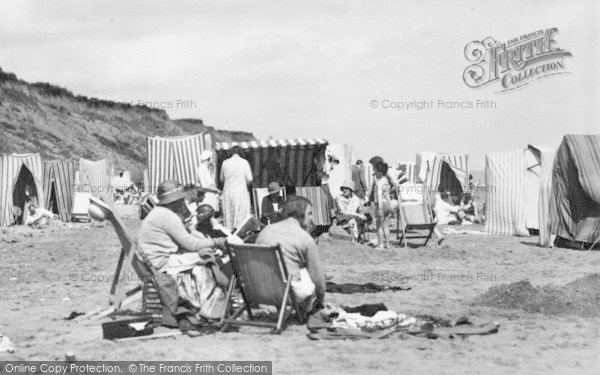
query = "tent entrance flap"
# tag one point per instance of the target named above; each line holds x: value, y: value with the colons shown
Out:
x: 24, y: 182
x: 449, y: 182
x: 53, y: 202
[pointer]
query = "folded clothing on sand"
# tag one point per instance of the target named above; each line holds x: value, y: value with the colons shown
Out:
x: 332, y: 323
x: 350, y: 288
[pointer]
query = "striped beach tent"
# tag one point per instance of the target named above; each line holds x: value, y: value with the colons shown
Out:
x: 546, y: 205
x: 146, y: 180
x: 59, y: 179
x: 408, y: 171
x: 514, y: 182
x: 95, y: 177
x: 576, y: 191
x: 297, y: 162
x: 175, y: 158
x: 449, y: 171
x: 423, y: 164
x: 16, y: 172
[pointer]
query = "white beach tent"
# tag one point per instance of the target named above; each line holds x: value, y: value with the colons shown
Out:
x: 514, y: 182
x: 343, y: 171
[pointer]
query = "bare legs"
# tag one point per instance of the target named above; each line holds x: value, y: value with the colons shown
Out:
x: 383, y: 231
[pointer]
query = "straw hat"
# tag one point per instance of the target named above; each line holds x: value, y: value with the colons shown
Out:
x: 170, y: 191
x: 347, y: 185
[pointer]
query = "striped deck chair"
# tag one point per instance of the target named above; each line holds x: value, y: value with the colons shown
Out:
x: 261, y: 273
x: 415, y: 219
x: 320, y: 202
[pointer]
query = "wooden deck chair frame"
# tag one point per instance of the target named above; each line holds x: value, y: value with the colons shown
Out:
x: 266, y: 283
x: 428, y: 225
x: 257, y: 200
x: 130, y: 252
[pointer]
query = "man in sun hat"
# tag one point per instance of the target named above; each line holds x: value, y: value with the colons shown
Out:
x: 347, y: 209
x: 171, y: 249
x: 272, y: 204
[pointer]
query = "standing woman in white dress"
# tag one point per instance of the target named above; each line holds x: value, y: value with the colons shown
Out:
x: 205, y: 177
x: 236, y: 176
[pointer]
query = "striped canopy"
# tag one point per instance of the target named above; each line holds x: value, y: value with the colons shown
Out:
x: 95, y: 177
x: 59, y: 178
x: 290, y: 161
x: 450, y: 171
x: 576, y: 188
x: 175, y: 158
x: 15, y: 170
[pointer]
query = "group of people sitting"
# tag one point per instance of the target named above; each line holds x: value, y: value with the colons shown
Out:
x: 129, y: 195
x: 186, y: 245
x: 358, y: 204
x: 448, y: 211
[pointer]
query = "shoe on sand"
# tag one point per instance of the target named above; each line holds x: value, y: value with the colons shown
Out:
x: 440, y: 240
x: 188, y: 328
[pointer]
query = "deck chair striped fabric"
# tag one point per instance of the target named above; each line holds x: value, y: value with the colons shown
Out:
x: 415, y: 220
x: 319, y: 199
x: 261, y: 273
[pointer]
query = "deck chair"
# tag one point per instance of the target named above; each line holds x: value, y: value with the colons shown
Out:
x: 81, y: 202
x: 151, y: 303
x: 257, y: 195
x: 261, y: 273
x: 147, y: 203
x: 415, y: 218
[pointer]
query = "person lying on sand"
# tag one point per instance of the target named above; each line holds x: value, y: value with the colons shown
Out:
x: 38, y: 216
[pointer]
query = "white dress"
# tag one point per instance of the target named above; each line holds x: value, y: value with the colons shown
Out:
x: 236, y: 175
x: 205, y: 178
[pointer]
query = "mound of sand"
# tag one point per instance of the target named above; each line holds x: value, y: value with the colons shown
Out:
x: 580, y: 297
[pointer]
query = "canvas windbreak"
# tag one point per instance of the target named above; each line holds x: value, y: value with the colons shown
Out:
x: 175, y: 158
x: 576, y: 188
x: 59, y: 180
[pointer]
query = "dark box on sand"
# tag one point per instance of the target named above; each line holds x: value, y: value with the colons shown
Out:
x: 122, y: 327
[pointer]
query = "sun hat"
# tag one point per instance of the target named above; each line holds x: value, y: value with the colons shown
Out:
x: 170, y: 191
x: 206, y: 155
x: 347, y: 185
x: 274, y: 187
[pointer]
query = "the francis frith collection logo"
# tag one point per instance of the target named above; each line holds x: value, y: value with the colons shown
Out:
x: 515, y: 63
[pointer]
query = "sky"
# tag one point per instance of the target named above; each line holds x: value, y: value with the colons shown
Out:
x: 317, y: 69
